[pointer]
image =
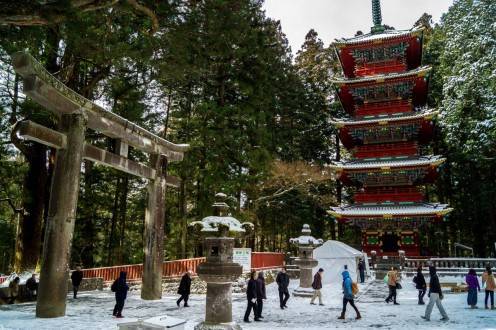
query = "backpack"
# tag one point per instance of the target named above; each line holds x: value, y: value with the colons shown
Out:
x: 354, y: 288
x: 113, y: 288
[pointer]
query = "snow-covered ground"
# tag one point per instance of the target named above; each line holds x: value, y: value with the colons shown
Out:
x: 93, y: 311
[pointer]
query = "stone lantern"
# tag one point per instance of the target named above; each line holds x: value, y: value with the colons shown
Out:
x: 306, y: 244
x: 219, y: 270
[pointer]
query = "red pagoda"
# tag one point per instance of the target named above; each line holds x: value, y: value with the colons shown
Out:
x: 384, y: 91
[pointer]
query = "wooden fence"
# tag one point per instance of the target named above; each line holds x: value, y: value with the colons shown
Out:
x: 175, y: 268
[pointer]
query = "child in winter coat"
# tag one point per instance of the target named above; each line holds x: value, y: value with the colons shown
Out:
x: 184, y: 288
x: 490, y: 283
x: 473, y: 286
x: 120, y: 288
x: 348, y: 296
x: 421, y: 285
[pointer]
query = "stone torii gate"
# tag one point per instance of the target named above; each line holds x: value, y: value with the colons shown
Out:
x: 76, y: 113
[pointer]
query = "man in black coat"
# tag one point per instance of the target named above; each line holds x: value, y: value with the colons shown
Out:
x: 361, y: 270
x: 120, y: 288
x: 435, y: 296
x: 261, y: 294
x: 76, y: 277
x: 32, y: 286
x: 282, y: 280
x: 184, y: 289
x: 251, y: 296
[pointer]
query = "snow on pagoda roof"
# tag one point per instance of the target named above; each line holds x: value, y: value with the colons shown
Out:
x: 377, y: 37
x: 385, y: 119
x: 387, y: 162
x: 384, y: 210
x: 420, y: 71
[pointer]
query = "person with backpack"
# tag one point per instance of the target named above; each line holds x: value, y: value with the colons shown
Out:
x: 76, y: 278
x: 120, y: 288
x: 393, y: 284
x: 251, y: 296
x: 348, y: 295
x: 184, y: 289
x: 261, y: 294
x: 420, y: 285
x: 435, y: 296
x: 473, y: 286
x: 282, y: 281
x: 489, y: 282
x: 317, y: 286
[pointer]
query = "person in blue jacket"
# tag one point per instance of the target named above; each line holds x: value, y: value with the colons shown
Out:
x: 120, y: 288
x: 348, y: 296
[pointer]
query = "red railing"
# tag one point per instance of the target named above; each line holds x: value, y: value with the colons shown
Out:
x: 2, y: 279
x: 175, y: 268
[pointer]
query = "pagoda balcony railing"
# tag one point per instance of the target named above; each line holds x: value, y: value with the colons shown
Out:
x: 383, y: 67
x: 409, y: 148
x: 364, y: 197
x: 388, y: 106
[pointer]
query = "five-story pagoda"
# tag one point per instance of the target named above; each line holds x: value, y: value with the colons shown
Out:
x: 384, y: 90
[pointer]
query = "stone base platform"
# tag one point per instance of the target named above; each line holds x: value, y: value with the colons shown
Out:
x: 219, y: 326
x: 303, y: 292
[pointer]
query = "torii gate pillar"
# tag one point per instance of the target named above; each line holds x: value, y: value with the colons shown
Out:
x: 52, y: 290
x: 151, y: 286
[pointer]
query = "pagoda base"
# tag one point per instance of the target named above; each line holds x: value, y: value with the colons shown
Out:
x: 389, y: 243
x: 303, y: 292
x: 217, y: 326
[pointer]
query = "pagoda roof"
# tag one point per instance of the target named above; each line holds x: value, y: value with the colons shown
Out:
x: 385, y: 119
x: 420, y: 71
x: 389, y: 209
x: 389, y: 162
x: 374, y: 38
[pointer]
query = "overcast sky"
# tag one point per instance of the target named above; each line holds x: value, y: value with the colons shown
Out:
x: 342, y: 18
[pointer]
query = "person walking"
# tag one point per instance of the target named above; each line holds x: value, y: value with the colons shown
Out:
x: 490, y: 284
x: 435, y: 296
x: 348, y: 296
x: 32, y: 286
x: 473, y: 286
x: 184, y: 288
x: 361, y: 270
x: 76, y: 278
x: 14, y: 290
x: 261, y: 294
x: 120, y: 288
x: 420, y: 285
x: 282, y: 281
x: 317, y: 286
x: 251, y: 296
x: 393, y: 281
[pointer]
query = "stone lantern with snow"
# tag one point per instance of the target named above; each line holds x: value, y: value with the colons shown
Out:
x: 306, y: 244
x: 219, y: 270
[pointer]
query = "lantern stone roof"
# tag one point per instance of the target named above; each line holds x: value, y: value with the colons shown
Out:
x: 306, y: 238
x: 374, y: 38
x: 212, y: 223
x: 385, y: 118
x: 388, y: 162
x: 390, y: 209
x: 379, y: 78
